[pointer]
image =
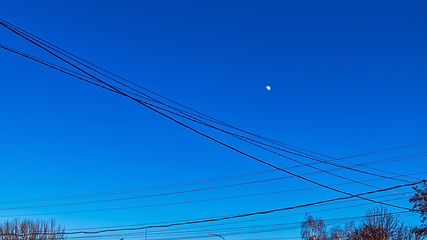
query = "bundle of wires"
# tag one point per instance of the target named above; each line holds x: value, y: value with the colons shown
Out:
x: 179, y: 113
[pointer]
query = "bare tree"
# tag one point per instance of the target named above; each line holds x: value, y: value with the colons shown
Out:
x: 31, y: 230
x: 313, y: 229
x: 407, y: 233
x: 339, y: 233
x: 378, y: 224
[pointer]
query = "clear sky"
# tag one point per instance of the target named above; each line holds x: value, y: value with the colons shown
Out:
x: 346, y: 77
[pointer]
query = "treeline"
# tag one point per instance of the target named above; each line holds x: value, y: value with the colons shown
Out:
x: 378, y: 224
x: 31, y: 230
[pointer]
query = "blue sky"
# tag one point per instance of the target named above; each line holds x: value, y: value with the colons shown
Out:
x: 346, y: 77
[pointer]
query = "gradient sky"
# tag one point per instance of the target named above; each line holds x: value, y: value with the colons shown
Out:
x: 346, y: 77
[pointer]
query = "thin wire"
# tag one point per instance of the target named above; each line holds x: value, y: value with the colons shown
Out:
x: 262, y: 219
x: 242, y: 215
x: 174, y: 193
x: 225, y: 124
x: 187, y: 126
x: 25, y: 35
x: 240, y: 137
x: 289, y: 226
x: 196, y: 131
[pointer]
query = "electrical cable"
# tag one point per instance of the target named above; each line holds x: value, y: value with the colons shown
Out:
x: 185, y: 125
x: 73, y: 74
x: 53, y: 47
x: 236, y: 136
x: 216, y: 120
x: 246, y: 221
x: 242, y: 215
x: 180, y: 203
x: 253, y: 220
x: 235, y: 230
x: 240, y: 137
x: 181, y: 192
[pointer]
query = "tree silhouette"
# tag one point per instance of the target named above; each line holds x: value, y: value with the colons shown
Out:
x: 420, y: 205
x: 339, y: 233
x: 31, y: 230
x: 379, y: 224
x: 313, y: 229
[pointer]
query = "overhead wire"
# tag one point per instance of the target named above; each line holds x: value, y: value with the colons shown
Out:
x: 240, y: 137
x: 173, y: 203
x: 127, y: 191
x: 263, y: 219
x: 174, y: 185
x: 185, y: 202
x: 44, y: 47
x: 72, y: 73
x: 204, y: 115
x: 201, y: 114
x: 242, y: 215
x: 80, y: 77
x: 26, y: 35
x: 253, y: 220
x: 226, y: 231
x: 182, y: 124
x: 350, y: 195
x: 68, y: 54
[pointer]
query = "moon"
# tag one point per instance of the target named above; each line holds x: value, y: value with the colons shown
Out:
x: 268, y: 88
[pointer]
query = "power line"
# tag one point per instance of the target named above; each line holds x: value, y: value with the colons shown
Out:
x: 262, y: 219
x: 101, y: 194
x: 37, y: 41
x: 185, y: 202
x: 240, y: 215
x: 175, y: 193
x: 44, y: 47
x: 251, y: 141
x: 235, y: 230
x: 198, y: 226
x: 200, y: 114
x: 248, y: 140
